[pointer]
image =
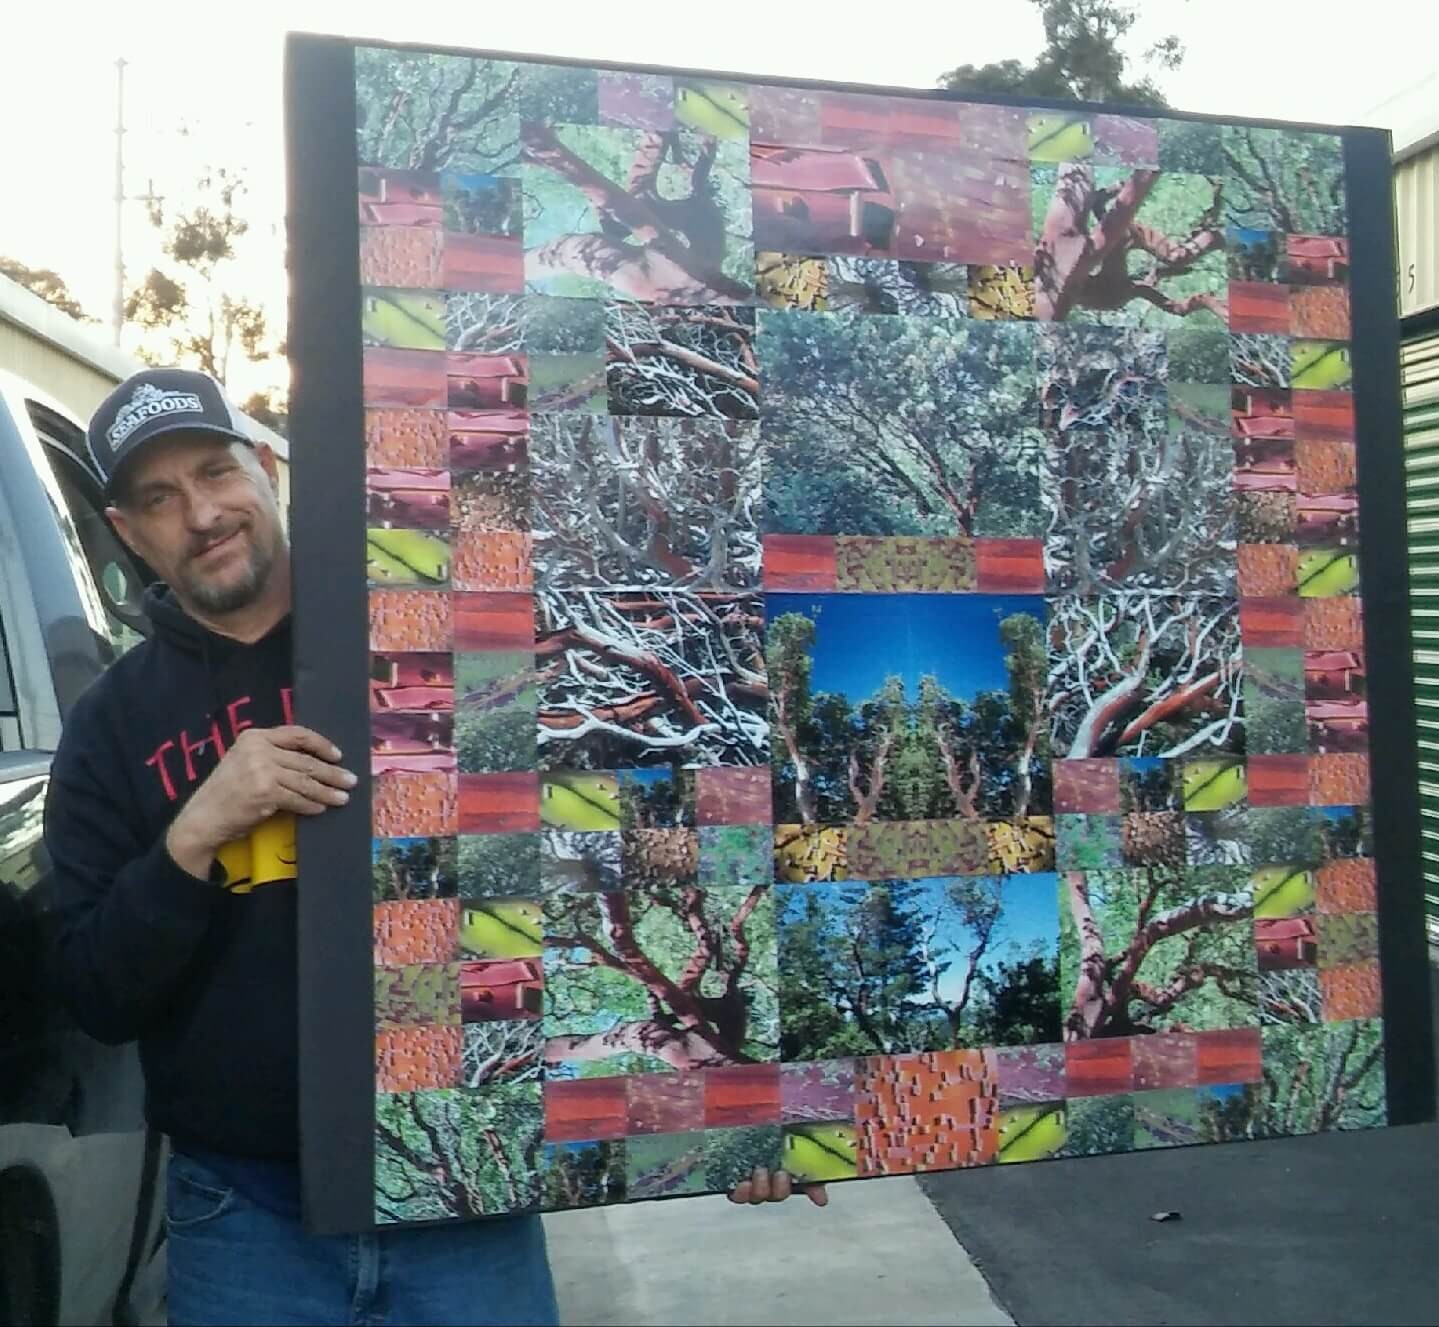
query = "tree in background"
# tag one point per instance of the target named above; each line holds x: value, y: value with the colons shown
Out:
x: 1027, y: 665
x: 1317, y: 1077
x: 194, y: 299
x: 457, y: 1154
x: 583, y: 1174
x: 898, y: 966
x: 269, y: 408
x: 920, y: 753
x: 812, y: 1014
x: 906, y: 426
x: 673, y: 977
x: 429, y: 112
x: 853, y: 977
x: 1019, y: 1003
x: 1157, y: 951
x: 414, y: 868
x: 50, y: 286
x: 1081, y: 59
x: 789, y: 667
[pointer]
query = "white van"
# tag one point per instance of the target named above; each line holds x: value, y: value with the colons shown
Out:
x: 81, y: 1179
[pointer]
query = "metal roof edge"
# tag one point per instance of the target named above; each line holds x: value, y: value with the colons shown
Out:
x: 1418, y: 146
x: 42, y: 320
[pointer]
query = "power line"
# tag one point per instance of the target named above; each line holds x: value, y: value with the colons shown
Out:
x: 118, y: 311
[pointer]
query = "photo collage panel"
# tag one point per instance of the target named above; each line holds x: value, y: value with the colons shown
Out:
x: 867, y: 670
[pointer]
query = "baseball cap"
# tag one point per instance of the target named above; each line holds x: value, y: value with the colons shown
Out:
x: 152, y: 403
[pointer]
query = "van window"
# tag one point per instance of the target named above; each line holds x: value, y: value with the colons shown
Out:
x: 119, y: 577
x: 9, y: 707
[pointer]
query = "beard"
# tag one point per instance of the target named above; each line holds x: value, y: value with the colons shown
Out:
x: 221, y: 597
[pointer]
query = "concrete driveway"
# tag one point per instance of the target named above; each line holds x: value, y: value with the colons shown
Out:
x: 879, y: 1253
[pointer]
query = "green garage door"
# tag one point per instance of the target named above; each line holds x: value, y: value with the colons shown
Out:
x: 1421, y: 460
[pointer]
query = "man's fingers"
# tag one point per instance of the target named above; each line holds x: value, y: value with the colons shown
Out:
x: 320, y: 770
x: 764, y: 1186
x: 313, y: 795
x: 312, y: 788
x: 295, y: 738
x: 300, y: 806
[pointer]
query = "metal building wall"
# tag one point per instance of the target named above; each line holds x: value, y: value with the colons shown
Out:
x: 1416, y: 188
x: 1420, y: 367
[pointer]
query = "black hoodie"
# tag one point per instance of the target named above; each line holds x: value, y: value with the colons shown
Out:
x: 201, y: 973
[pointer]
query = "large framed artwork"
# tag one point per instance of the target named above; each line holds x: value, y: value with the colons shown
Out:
x: 875, y: 624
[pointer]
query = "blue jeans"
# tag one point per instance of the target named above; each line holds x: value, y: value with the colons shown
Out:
x: 233, y: 1261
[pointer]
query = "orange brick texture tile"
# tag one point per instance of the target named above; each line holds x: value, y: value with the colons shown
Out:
x: 404, y: 804
x: 414, y: 1059
x: 1320, y: 311
x: 409, y: 620
x: 1347, y: 886
x: 1333, y: 624
x: 1268, y: 570
x: 414, y: 439
x: 416, y: 931
x: 1339, y: 779
x: 1351, y: 991
x: 402, y: 256
x: 499, y: 560
x: 1326, y: 466
x: 934, y: 1111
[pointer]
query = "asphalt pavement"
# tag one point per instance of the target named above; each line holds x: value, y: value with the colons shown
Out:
x: 1337, y: 1228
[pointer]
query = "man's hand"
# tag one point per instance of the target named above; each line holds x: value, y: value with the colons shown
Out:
x: 762, y: 1187
x: 267, y: 770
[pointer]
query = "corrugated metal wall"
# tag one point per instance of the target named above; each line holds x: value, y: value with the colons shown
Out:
x: 1420, y: 359
x: 79, y: 386
x: 1416, y: 192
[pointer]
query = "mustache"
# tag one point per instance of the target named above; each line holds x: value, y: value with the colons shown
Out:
x: 200, y: 546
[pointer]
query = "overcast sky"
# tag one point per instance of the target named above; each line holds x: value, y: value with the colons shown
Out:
x: 1320, y: 61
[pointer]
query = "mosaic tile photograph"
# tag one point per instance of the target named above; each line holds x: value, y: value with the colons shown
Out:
x: 867, y: 668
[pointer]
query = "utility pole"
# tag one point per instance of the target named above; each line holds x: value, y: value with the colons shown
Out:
x: 118, y: 313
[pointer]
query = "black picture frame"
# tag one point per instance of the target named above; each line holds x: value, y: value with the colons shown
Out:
x: 1384, y: 580
x: 331, y: 631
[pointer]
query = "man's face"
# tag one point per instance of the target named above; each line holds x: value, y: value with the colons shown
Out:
x: 202, y: 512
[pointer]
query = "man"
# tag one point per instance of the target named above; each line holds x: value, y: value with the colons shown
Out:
x: 170, y: 824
